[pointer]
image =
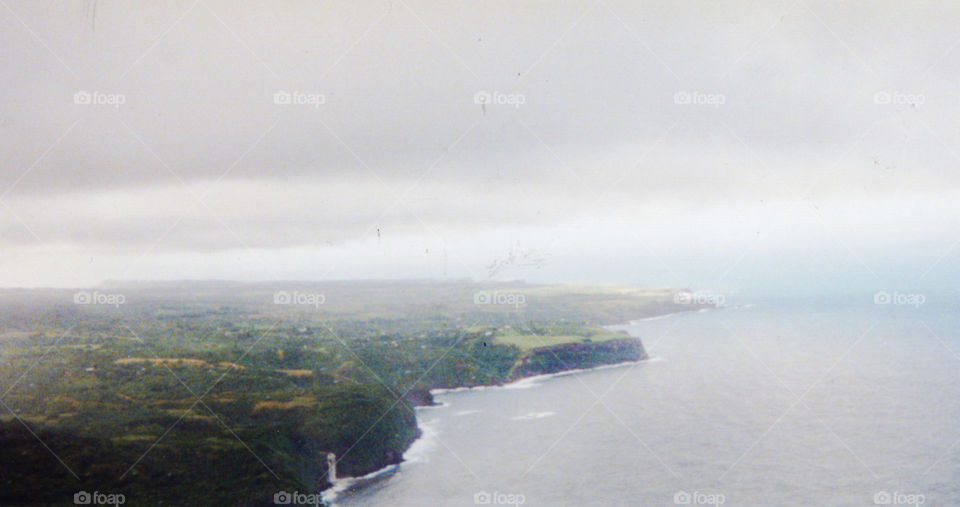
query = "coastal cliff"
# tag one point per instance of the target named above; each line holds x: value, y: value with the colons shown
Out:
x: 573, y: 356
x: 536, y: 361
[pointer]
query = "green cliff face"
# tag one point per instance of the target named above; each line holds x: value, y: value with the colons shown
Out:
x: 570, y: 356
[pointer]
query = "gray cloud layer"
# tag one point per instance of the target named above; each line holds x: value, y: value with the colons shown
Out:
x: 614, y: 111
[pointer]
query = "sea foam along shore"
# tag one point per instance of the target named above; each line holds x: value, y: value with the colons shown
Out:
x: 426, y: 439
x: 419, y: 447
x: 534, y: 380
x: 417, y: 450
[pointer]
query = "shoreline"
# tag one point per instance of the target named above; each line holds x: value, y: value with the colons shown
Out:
x: 342, y: 484
x: 533, y: 380
x: 345, y: 483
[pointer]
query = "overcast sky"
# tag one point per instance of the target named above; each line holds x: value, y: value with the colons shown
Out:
x: 703, y: 144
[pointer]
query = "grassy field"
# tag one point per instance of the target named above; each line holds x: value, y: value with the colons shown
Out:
x: 529, y: 341
x: 526, y: 339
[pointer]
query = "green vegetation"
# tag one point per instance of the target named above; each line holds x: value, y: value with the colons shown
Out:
x: 215, y: 394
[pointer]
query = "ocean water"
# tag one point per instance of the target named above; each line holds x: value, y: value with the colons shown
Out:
x: 824, y: 402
